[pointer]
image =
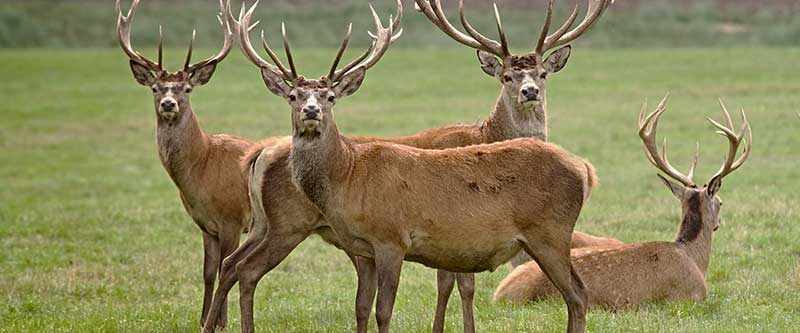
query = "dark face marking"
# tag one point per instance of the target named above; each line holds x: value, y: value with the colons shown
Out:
x: 692, y: 222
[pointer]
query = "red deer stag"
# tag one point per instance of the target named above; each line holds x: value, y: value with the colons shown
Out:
x: 382, y: 200
x: 631, y: 274
x: 501, y: 125
x: 205, y: 168
x: 520, y: 110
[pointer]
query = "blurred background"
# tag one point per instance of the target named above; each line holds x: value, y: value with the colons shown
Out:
x: 89, y: 23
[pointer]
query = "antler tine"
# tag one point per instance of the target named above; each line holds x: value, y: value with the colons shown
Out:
x: 189, y: 54
x: 160, y: 48
x: 288, y: 50
x: 483, y: 40
x: 286, y: 74
x: 595, y: 9
x: 647, y: 132
x: 341, y: 51
x: 563, y: 28
x: 734, y: 141
x: 690, y: 175
x: 228, y: 35
x: 398, y: 18
x: 124, y: 34
x: 545, y: 28
x: 503, y: 40
x: 433, y: 10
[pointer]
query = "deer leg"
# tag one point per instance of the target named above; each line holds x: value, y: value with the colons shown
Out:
x: 389, y: 262
x: 211, y: 257
x: 228, y: 242
x: 277, y: 244
x: 444, y: 287
x: 227, y: 272
x: 367, y: 285
x: 466, y: 288
x: 555, y: 262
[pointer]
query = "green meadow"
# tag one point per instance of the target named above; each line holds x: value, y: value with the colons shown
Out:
x: 95, y: 239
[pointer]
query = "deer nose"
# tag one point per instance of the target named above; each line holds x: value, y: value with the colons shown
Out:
x: 311, y: 111
x: 168, y: 105
x: 530, y: 92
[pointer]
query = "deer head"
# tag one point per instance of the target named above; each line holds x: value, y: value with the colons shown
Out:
x: 700, y: 205
x: 312, y: 100
x: 171, y: 90
x: 522, y: 76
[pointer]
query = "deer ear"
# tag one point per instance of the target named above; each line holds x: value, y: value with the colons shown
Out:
x: 202, y: 75
x: 142, y: 74
x: 489, y: 63
x: 275, y: 82
x: 713, y: 186
x: 350, y: 83
x: 557, y: 60
x: 676, y: 189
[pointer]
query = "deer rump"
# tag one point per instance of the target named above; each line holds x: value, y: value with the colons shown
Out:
x: 461, y: 209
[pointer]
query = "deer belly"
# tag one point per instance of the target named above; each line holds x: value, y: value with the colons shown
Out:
x: 465, y: 255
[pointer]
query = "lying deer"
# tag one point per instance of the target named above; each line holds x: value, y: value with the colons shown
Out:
x: 631, y: 274
x: 383, y: 201
x: 203, y: 167
x: 519, y: 112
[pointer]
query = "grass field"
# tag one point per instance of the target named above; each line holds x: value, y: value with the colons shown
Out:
x: 95, y: 239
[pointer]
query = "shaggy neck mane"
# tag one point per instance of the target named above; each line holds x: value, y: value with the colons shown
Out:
x: 511, y: 120
x: 693, y: 235
x: 182, y: 144
x: 318, y: 160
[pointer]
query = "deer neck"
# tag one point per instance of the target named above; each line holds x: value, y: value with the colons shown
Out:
x: 182, y: 144
x: 694, y: 236
x: 317, y: 161
x: 511, y: 120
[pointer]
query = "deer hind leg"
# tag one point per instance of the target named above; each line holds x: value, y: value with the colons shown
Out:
x: 389, y: 262
x: 444, y: 286
x: 367, y: 286
x: 277, y: 244
x: 466, y: 288
x: 211, y: 257
x: 553, y: 258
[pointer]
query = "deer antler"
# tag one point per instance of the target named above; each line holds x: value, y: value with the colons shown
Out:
x: 228, y: 30
x: 734, y: 140
x: 382, y: 39
x: 474, y: 39
x: 124, y: 33
x: 647, y: 132
x: 250, y: 52
x: 561, y: 36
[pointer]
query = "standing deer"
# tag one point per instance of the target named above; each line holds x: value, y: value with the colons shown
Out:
x: 519, y: 112
x: 382, y: 200
x: 203, y: 167
x: 631, y: 274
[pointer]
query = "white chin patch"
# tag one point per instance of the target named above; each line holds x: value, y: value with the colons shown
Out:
x: 310, y: 124
x: 531, y: 102
x: 169, y: 115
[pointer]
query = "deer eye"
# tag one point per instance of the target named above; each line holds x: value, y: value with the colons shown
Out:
x: 507, y: 78
x: 187, y: 90
x: 543, y: 75
x: 154, y: 89
x: 292, y: 98
x: 331, y: 98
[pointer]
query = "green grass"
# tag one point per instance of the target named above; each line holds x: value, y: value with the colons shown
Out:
x: 95, y: 239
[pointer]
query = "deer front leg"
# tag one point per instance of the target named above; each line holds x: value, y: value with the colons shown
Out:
x: 466, y: 288
x: 389, y: 261
x: 367, y: 285
x: 228, y: 242
x: 444, y: 287
x: 211, y: 257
